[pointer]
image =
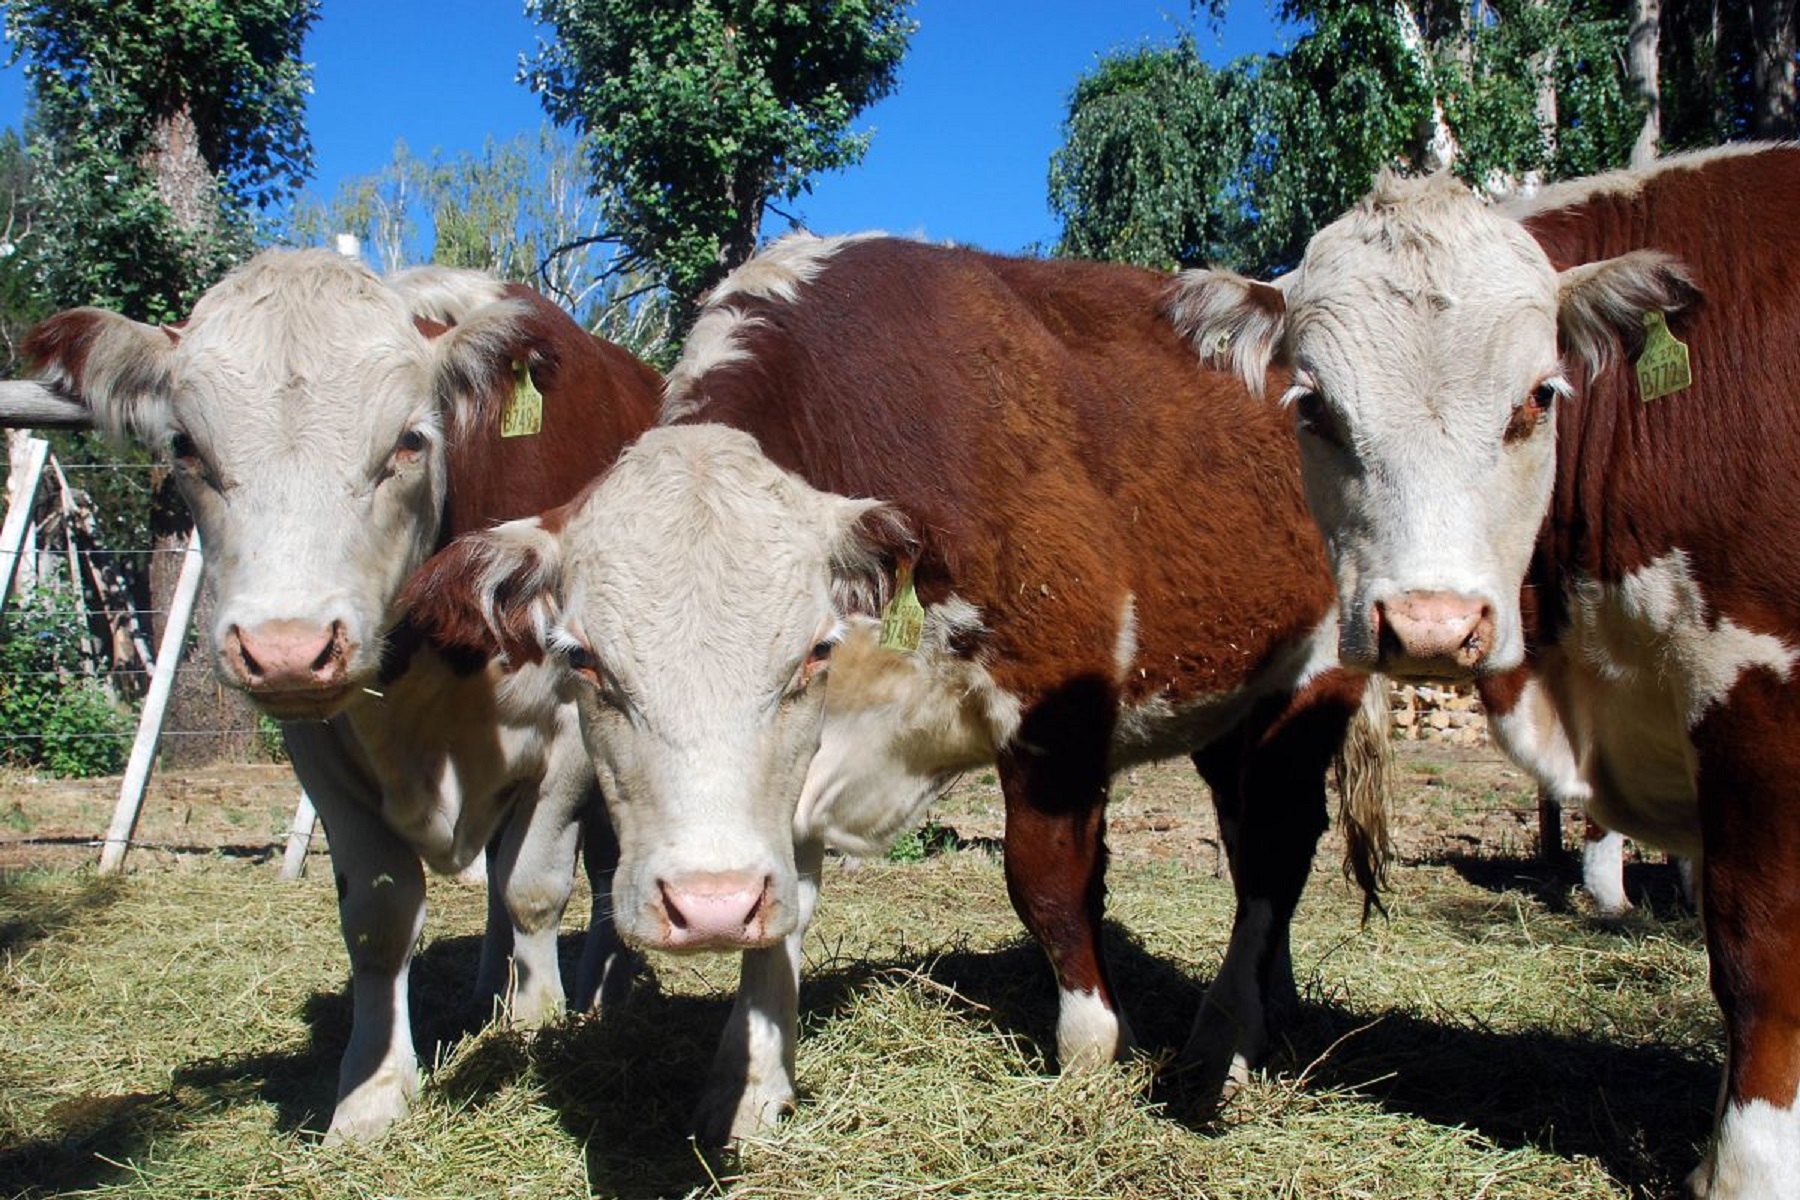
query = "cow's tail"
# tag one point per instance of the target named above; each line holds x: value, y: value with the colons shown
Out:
x: 1363, y: 769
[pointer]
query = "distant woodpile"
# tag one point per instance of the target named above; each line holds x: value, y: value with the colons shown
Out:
x: 1424, y: 712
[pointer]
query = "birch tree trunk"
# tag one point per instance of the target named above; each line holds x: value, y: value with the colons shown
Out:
x: 1642, y: 45
x: 1773, y: 23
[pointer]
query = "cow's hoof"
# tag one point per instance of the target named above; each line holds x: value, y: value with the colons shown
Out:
x: 366, y: 1113
x: 728, y: 1115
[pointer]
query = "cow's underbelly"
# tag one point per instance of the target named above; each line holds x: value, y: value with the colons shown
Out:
x: 452, y: 752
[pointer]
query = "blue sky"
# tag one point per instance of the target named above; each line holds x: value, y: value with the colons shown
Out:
x: 961, y: 150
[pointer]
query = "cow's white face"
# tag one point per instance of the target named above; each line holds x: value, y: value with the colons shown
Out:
x: 306, y: 417
x: 1422, y: 331
x: 693, y: 597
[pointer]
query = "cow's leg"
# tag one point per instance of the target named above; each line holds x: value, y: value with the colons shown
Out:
x: 607, y: 965
x: 381, y: 905
x: 495, y: 965
x: 1603, y: 869
x: 1271, y: 777
x: 1054, y: 777
x: 534, y: 867
x: 1749, y: 760
x: 751, y: 1085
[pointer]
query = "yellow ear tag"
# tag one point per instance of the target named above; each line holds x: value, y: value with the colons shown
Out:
x: 1663, y: 367
x: 903, y: 620
x: 524, y: 414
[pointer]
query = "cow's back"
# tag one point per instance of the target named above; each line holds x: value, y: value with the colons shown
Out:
x: 1109, y: 506
x: 1692, y: 471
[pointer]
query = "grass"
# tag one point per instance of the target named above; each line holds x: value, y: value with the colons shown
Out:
x: 176, y: 1034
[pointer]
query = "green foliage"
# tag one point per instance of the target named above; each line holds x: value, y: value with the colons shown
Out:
x: 53, y: 716
x: 1169, y: 162
x: 695, y: 115
x: 930, y: 839
x: 520, y: 210
x: 142, y: 106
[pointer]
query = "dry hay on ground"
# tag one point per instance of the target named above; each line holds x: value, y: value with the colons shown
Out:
x: 176, y: 1034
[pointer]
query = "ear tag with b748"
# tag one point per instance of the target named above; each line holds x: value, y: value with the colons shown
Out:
x: 524, y: 412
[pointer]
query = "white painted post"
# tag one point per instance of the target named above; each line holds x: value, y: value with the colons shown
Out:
x: 18, y: 513
x: 149, y: 731
x: 300, y: 835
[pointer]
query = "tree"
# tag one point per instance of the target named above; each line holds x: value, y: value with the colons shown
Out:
x: 159, y: 130
x: 520, y: 210
x: 1168, y: 162
x: 696, y: 116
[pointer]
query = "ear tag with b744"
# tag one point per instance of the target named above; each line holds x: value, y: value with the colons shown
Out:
x: 903, y: 620
x: 1663, y: 368
x: 524, y: 412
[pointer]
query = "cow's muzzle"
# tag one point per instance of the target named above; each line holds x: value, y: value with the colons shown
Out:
x: 715, y: 910
x: 291, y: 669
x: 1432, y: 635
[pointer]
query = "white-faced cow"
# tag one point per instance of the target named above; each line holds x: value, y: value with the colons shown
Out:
x: 329, y: 431
x: 1085, y: 553
x: 1456, y: 447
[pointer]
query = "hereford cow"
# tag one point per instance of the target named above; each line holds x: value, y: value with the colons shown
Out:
x: 329, y: 431
x: 1645, y: 496
x: 964, y: 489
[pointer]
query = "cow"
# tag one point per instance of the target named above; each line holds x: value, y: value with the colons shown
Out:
x: 1551, y: 449
x: 329, y: 430
x: 908, y: 510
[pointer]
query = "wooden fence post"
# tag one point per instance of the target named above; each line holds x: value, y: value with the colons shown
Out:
x: 149, y: 731
x: 300, y: 835
x: 18, y: 514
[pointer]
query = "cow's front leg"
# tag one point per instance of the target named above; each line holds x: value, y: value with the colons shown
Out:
x: 751, y: 1085
x: 381, y: 906
x: 1748, y: 765
x: 534, y: 871
x: 1054, y: 778
x: 1268, y: 784
x: 607, y: 964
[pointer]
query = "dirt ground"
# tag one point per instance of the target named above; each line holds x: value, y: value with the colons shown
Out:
x: 1450, y: 801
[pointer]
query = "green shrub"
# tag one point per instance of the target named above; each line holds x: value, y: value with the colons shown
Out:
x: 927, y: 840
x: 54, y: 716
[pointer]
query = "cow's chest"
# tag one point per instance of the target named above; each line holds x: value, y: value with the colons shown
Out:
x: 1645, y: 658
x: 451, y: 751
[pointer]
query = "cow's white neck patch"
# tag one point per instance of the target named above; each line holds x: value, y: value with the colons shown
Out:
x: 1654, y: 624
x: 717, y: 340
x: 784, y: 267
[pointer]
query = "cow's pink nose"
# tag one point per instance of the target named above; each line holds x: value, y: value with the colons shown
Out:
x: 1426, y: 632
x: 715, y: 910
x: 288, y: 656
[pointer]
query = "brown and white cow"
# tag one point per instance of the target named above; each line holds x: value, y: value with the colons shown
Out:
x: 863, y: 428
x: 1456, y: 447
x: 329, y: 430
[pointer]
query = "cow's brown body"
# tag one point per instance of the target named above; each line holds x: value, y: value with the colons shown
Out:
x: 1115, y: 565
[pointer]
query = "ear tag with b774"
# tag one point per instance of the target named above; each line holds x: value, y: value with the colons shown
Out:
x: 524, y: 412
x: 903, y: 620
x: 1663, y: 368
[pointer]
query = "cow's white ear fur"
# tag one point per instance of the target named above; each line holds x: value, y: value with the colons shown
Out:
x: 1601, y: 304
x: 1233, y: 322
x: 122, y: 370
x: 519, y: 568
x: 471, y: 356
x: 863, y: 535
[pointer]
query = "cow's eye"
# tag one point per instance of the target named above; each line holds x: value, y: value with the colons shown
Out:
x: 580, y: 660
x: 1311, y: 415
x: 1530, y: 413
x: 183, y: 450
x: 816, y: 660
x: 407, y: 450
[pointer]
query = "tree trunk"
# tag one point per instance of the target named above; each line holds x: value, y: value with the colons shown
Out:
x: 1773, y: 22
x: 184, y: 181
x: 1434, y: 145
x: 1642, y: 77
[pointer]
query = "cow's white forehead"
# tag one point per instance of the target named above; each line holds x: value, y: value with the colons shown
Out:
x: 698, y: 559
x: 1424, y: 289
x: 308, y: 340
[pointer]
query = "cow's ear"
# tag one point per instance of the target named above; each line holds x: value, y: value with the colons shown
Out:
x: 472, y: 361
x: 491, y: 594
x: 122, y: 370
x: 866, y: 538
x: 1601, y: 305
x: 1233, y: 322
